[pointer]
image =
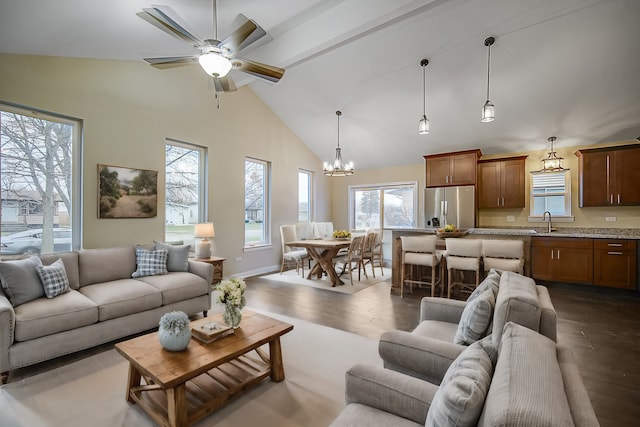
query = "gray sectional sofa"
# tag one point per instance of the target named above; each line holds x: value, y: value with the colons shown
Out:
x: 103, y: 303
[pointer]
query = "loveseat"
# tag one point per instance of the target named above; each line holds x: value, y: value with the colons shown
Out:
x: 531, y: 382
x: 110, y: 293
x: 447, y: 326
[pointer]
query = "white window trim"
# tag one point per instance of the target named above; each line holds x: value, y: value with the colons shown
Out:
x: 566, y: 194
x: 311, y: 207
x: 384, y: 186
x: 203, y: 176
x: 266, y: 244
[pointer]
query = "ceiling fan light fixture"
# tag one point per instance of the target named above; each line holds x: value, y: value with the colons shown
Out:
x: 214, y: 64
x: 488, y: 110
x: 338, y: 167
x: 423, y: 124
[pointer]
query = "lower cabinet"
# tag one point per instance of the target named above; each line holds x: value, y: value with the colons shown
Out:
x: 615, y: 263
x: 559, y: 259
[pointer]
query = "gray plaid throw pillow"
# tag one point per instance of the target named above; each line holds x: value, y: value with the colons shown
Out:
x: 54, y: 278
x: 150, y: 263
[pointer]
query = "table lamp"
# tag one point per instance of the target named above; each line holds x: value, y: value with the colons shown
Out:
x: 203, y: 232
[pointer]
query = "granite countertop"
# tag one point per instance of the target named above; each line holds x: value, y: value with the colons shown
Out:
x: 591, y: 233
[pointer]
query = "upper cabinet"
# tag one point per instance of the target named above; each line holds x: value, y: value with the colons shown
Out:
x: 501, y: 183
x: 609, y: 176
x: 459, y: 168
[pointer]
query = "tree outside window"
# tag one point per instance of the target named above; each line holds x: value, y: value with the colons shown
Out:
x: 256, y: 202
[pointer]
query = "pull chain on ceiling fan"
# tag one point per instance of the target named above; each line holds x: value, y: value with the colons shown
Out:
x: 217, y: 58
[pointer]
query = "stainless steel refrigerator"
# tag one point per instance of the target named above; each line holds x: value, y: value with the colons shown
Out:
x: 450, y: 205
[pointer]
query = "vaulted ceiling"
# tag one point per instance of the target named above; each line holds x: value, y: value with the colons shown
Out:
x: 569, y: 68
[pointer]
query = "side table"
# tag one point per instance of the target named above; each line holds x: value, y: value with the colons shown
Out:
x: 217, y: 267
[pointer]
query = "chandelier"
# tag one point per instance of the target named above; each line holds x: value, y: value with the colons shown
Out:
x: 338, y: 167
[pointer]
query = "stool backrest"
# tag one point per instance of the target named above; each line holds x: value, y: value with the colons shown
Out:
x: 464, y: 247
x: 503, y: 248
x: 426, y: 244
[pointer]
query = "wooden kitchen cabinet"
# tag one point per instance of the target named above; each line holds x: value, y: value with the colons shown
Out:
x: 615, y: 263
x: 448, y: 169
x: 501, y: 183
x: 609, y: 176
x: 560, y: 259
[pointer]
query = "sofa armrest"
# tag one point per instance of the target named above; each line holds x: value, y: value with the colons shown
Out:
x: 421, y: 357
x: 548, y: 321
x: 581, y: 410
x: 202, y: 269
x: 7, y: 329
x: 389, y: 391
x: 445, y: 310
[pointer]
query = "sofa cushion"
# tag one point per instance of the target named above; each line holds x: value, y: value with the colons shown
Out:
x: 356, y: 414
x: 150, y: 263
x: 476, y: 318
x: 70, y: 261
x: 517, y: 302
x: 177, y: 257
x: 492, y: 281
x: 105, y: 265
x: 54, y: 279
x: 178, y: 286
x: 122, y: 297
x: 436, y: 329
x: 20, y: 280
x: 527, y: 386
x: 461, y: 395
x: 44, y: 316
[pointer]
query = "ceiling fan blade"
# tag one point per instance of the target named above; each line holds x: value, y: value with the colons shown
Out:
x: 224, y: 84
x: 247, y: 33
x: 171, y: 61
x: 257, y: 69
x: 161, y: 19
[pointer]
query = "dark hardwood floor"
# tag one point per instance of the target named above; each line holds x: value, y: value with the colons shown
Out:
x: 601, y: 326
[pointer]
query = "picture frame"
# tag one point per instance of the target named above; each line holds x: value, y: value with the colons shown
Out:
x: 127, y: 192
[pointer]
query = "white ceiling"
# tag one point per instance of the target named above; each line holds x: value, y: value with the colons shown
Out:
x: 569, y: 68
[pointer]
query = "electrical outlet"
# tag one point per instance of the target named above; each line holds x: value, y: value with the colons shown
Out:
x: 511, y: 218
x: 238, y: 258
x: 610, y: 219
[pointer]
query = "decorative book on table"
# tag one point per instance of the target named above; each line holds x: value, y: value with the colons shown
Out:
x: 206, y: 330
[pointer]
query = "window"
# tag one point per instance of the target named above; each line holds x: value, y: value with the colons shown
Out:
x: 256, y: 203
x: 304, y: 195
x: 395, y: 204
x: 40, y: 172
x: 551, y: 191
x: 185, y: 190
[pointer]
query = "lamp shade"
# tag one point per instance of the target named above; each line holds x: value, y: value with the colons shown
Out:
x: 204, y: 230
x: 215, y: 64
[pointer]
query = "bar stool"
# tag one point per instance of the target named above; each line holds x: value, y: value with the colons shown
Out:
x: 462, y: 255
x: 419, y: 251
x: 505, y: 255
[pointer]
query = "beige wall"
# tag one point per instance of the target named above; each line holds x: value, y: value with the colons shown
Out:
x: 130, y: 108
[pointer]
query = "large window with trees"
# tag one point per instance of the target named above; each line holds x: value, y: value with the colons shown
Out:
x: 256, y: 203
x: 40, y: 181
x: 384, y: 205
x: 185, y: 190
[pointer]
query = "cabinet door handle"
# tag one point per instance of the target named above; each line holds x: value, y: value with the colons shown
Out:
x: 618, y: 199
x: 614, y: 253
x: 611, y: 199
x: 615, y: 245
x: 498, y: 201
x: 446, y: 180
x: 558, y: 254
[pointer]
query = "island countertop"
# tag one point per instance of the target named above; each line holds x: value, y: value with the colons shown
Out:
x: 591, y: 233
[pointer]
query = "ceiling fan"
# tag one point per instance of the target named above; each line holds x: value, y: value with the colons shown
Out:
x: 216, y: 57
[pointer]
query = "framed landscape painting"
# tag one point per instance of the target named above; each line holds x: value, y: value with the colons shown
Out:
x: 127, y: 193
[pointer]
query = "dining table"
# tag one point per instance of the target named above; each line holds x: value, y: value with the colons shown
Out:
x: 323, y: 251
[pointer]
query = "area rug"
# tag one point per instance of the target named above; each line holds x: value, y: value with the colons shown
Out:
x: 290, y: 276
x: 91, y: 391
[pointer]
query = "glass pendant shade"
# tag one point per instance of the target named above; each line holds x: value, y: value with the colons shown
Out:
x: 552, y: 163
x: 488, y: 112
x: 423, y: 125
x: 338, y: 167
x: 215, y: 64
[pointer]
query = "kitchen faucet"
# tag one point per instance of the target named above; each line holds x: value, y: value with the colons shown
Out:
x: 544, y: 215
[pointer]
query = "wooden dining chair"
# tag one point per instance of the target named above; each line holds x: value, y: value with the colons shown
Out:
x: 291, y: 254
x: 354, y: 258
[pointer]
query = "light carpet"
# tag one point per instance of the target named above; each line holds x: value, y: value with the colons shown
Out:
x: 290, y: 276
x: 91, y: 391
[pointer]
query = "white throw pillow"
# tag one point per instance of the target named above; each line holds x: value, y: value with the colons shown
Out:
x: 476, y: 318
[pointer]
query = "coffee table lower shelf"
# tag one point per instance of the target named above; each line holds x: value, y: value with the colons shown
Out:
x: 203, y: 394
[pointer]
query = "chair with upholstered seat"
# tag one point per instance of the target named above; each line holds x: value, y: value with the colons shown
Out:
x: 322, y: 230
x: 291, y: 254
x: 354, y: 258
x: 376, y: 252
x: 462, y: 255
x: 419, y: 252
x: 504, y: 255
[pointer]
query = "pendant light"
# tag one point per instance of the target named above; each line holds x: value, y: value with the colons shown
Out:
x: 338, y: 168
x: 423, y: 124
x: 488, y: 111
x: 552, y: 163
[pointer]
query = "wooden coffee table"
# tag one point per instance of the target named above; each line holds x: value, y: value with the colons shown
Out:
x: 180, y: 388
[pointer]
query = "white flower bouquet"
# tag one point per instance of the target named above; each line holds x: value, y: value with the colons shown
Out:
x: 231, y: 292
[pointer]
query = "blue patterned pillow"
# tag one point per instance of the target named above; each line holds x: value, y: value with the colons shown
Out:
x: 150, y: 263
x: 54, y: 278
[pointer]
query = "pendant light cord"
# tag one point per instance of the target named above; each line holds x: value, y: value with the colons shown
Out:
x: 215, y: 19
x: 338, y: 113
x: 488, y: 69
x: 424, y: 90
